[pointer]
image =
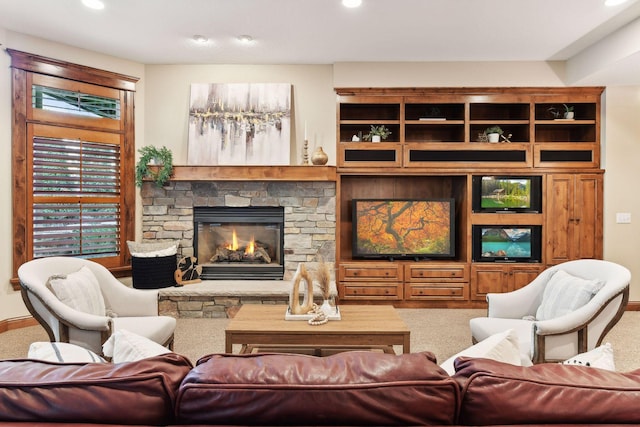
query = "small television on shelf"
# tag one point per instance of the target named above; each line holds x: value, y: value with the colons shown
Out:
x: 507, y: 243
x: 403, y: 228
x: 492, y: 193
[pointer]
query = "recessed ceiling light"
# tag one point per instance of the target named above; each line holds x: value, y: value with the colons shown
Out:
x: 93, y: 4
x: 614, y: 2
x: 351, y: 3
x: 200, y: 39
x: 245, y: 39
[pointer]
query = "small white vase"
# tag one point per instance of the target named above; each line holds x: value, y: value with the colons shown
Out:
x: 327, y: 308
x: 568, y: 115
x: 494, y: 137
x: 375, y: 138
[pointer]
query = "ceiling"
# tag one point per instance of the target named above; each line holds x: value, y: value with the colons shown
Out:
x: 322, y: 31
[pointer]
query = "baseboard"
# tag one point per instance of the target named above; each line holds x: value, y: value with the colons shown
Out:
x: 17, y: 323
x: 633, y: 306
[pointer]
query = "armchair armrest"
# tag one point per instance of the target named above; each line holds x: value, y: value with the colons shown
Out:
x: 70, y: 316
x: 134, y: 302
x: 570, y: 322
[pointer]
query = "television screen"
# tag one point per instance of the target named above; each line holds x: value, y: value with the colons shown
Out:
x: 507, y: 193
x: 516, y: 243
x: 389, y: 228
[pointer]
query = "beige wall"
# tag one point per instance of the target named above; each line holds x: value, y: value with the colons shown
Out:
x: 313, y: 98
x: 162, y: 102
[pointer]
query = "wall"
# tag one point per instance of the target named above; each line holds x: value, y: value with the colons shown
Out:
x: 163, y: 94
x: 313, y: 102
x: 622, y: 154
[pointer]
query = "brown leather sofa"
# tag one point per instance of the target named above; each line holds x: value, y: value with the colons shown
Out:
x: 353, y: 388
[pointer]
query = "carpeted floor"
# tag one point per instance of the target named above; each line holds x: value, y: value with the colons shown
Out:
x: 444, y: 332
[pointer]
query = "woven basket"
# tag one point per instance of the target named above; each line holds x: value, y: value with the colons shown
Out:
x: 154, y: 272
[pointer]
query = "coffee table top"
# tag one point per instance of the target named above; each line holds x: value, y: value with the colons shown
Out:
x: 370, y: 319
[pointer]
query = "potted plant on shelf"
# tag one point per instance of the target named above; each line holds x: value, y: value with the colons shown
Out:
x: 155, y: 163
x: 568, y: 111
x: 377, y: 133
x: 493, y: 133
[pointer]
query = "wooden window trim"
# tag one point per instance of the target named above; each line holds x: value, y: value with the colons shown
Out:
x: 25, y: 65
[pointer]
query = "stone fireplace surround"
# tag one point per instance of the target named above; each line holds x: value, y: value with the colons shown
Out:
x: 309, y: 233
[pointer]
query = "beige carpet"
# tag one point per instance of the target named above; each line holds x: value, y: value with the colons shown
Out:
x: 444, y: 332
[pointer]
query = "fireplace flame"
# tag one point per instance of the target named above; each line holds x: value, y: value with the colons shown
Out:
x: 234, y: 246
x: 251, y: 247
x: 234, y: 242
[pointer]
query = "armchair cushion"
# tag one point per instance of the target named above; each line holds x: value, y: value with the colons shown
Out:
x: 79, y: 290
x: 565, y: 293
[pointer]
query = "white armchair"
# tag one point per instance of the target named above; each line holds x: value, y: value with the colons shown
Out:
x: 134, y: 310
x: 562, y: 337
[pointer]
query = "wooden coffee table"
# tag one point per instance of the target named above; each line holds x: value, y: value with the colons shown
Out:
x: 261, y: 327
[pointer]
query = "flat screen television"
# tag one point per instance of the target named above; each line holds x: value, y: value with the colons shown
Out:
x: 507, y: 243
x: 402, y: 228
x: 515, y: 194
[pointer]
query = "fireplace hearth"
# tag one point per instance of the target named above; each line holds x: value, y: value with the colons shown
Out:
x: 234, y: 243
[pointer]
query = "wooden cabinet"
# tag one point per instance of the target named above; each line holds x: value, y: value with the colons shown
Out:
x: 497, y: 278
x: 370, y: 281
x: 574, y: 226
x: 436, y: 281
x: 436, y: 147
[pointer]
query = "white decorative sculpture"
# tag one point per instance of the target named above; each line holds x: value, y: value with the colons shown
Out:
x: 294, y: 296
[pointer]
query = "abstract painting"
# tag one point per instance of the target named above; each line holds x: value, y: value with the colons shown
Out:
x: 239, y: 124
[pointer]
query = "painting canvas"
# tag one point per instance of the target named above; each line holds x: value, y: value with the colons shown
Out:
x: 239, y: 124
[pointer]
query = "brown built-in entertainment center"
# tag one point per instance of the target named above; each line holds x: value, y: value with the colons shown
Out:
x: 435, y: 150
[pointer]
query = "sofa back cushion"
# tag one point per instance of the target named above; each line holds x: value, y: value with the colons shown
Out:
x: 351, y: 388
x: 141, y: 392
x: 551, y: 393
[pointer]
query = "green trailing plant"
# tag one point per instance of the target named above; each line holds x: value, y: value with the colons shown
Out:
x: 161, y: 169
x: 494, y: 129
x: 381, y: 130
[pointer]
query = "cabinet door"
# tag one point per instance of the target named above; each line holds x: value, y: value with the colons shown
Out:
x: 521, y: 275
x: 574, y: 217
x: 488, y: 278
x: 588, y: 216
x: 559, y: 213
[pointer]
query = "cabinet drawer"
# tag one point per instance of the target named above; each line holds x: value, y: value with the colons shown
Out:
x: 436, y: 273
x: 437, y: 291
x: 371, y: 291
x: 371, y: 272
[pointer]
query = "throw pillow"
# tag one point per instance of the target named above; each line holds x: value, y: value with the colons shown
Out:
x: 79, y: 290
x: 566, y: 293
x: 502, y: 347
x: 600, y: 357
x: 62, y: 352
x: 126, y: 346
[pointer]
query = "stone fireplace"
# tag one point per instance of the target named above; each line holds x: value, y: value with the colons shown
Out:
x: 239, y: 242
x: 309, y: 223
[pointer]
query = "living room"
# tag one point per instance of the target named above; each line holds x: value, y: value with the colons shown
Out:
x: 159, y: 122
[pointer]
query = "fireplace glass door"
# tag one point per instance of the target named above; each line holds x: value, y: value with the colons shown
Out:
x: 240, y: 243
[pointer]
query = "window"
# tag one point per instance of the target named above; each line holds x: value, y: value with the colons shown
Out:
x: 73, y: 151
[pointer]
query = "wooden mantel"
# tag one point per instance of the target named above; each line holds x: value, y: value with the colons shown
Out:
x: 254, y: 173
